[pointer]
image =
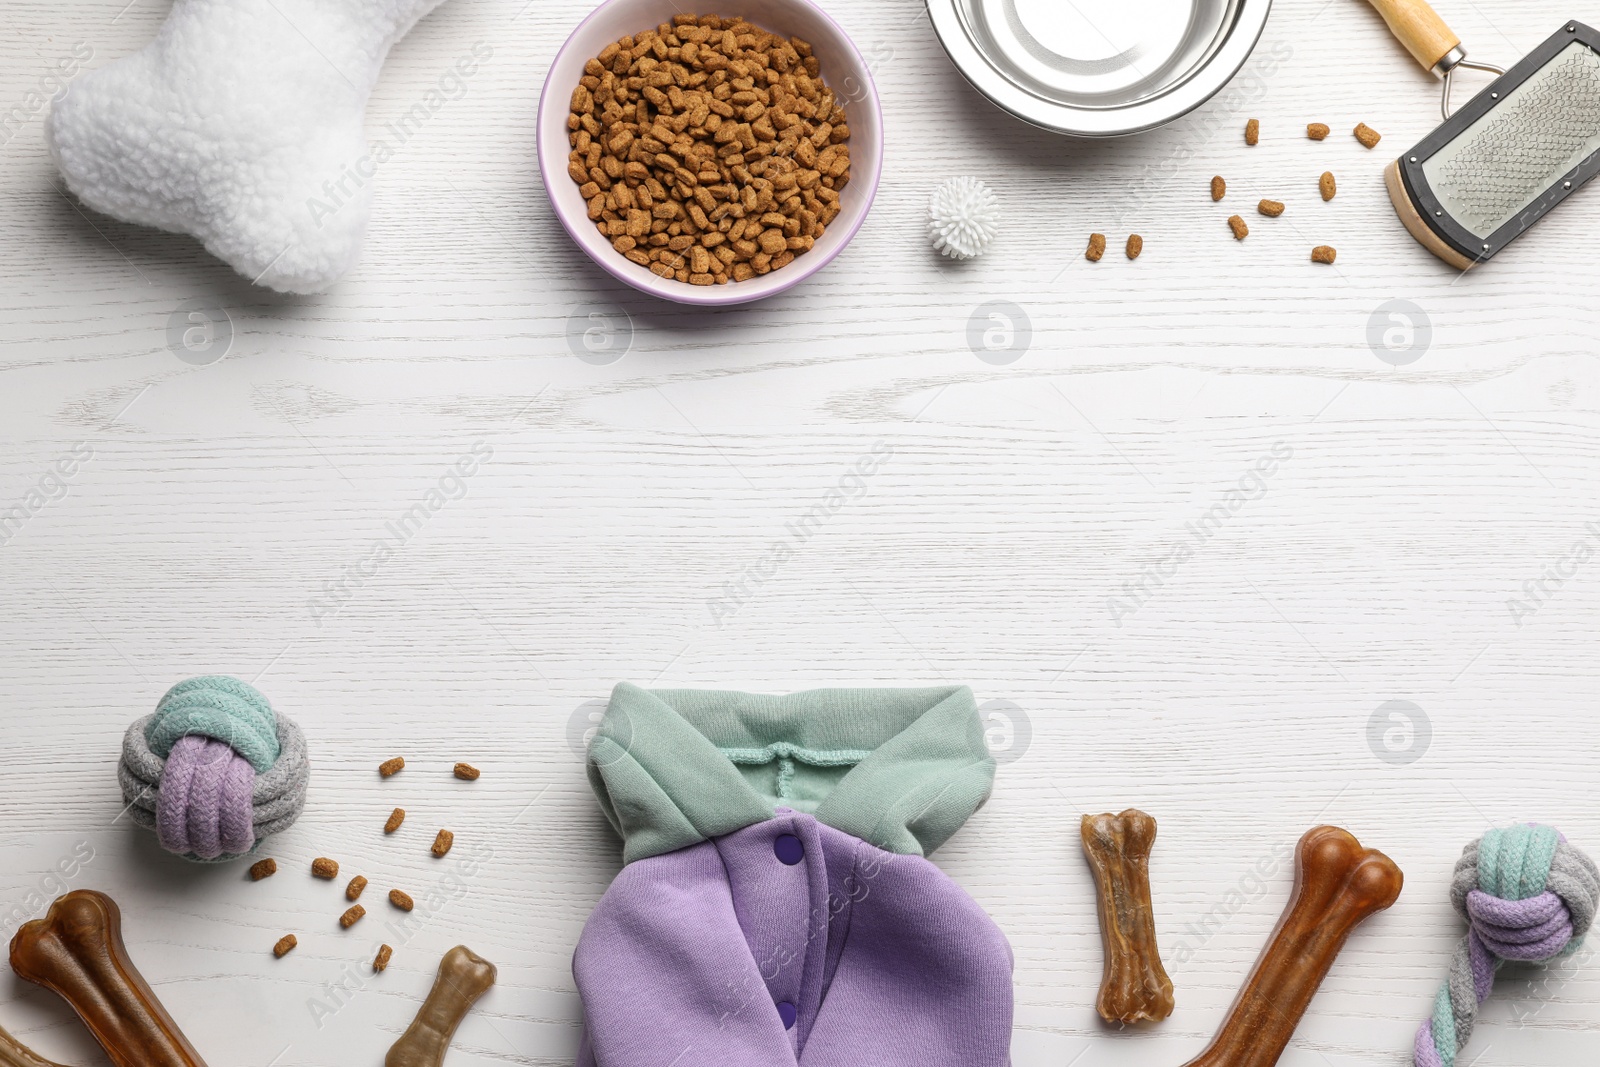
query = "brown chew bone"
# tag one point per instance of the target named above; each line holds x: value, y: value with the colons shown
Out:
x: 14, y: 1053
x: 463, y: 977
x: 77, y: 951
x: 1135, y: 987
x: 1337, y: 883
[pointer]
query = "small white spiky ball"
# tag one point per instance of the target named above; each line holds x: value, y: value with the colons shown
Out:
x: 963, y: 217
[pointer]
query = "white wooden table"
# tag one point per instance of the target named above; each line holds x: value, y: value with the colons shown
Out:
x: 628, y: 522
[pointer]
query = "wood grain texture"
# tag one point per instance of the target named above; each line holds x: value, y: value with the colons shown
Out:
x: 1397, y: 531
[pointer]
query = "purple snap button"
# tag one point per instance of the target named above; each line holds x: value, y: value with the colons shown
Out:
x: 789, y: 850
x: 787, y: 1013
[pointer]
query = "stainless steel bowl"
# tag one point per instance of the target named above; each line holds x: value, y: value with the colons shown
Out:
x: 1099, y: 68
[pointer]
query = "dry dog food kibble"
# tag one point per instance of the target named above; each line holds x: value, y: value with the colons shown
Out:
x: 1323, y: 254
x: 1252, y: 132
x: 396, y: 817
x: 1240, y: 230
x: 1135, y: 246
x: 354, y: 890
x: 382, y: 960
x: 442, y: 843
x: 1368, y: 136
x: 1097, y: 247
x: 353, y: 916
x: 467, y: 772
x: 1329, y: 187
x: 1219, y: 188
x: 401, y: 900
x: 709, y: 150
x: 1318, y: 131
x: 285, y: 943
x: 1270, y: 208
x: 323, y: 867
x: 263, y: 869
x: 391, y: 767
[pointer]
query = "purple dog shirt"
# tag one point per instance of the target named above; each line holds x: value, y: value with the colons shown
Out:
x: 791, y: 943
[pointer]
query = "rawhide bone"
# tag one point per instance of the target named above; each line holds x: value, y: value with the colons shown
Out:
x: 463, y: 977
x: 1337, y: 884
x: 77, y: 951
x: 1135, y: 987
x: 14, y: 1053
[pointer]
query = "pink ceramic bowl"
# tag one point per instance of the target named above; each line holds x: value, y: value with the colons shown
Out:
x: 842, y: 68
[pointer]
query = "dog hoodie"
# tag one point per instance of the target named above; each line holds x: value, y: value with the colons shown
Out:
x: 777, y: 907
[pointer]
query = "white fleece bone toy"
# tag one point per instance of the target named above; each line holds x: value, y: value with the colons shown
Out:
x: 241, y: 124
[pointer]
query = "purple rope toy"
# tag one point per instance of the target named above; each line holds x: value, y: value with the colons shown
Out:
x: 1527, y: 895
x: 204, y: 802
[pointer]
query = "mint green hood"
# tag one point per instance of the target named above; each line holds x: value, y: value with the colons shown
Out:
x: 901, y: 769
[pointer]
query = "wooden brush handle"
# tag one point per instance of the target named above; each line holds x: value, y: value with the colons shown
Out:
x: 77, y: 951
x: 1337, y: 883
x: 1419, y: 28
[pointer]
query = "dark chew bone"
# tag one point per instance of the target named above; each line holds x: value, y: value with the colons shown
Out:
x: 77, y: 951
x: 463, y: 977
x: 1135, y: 987
x: 1337, y: 884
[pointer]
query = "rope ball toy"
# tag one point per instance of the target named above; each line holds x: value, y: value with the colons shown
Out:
x: 1527, y: 895
x: 214, y: 769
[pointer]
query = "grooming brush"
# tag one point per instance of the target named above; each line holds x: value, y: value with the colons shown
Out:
x: 1510, y: 154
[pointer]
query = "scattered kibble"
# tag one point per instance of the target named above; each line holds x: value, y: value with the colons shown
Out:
x: 1219, y: 188
x: 391, y: 767
x: 323, y: 867
x: 382, y: 960
x: 1368, y: 136
x: 1097, y: 247
x: 1252, y: 132
x: 709, y: 150
x: 1329, y: 187
x: 401, y: 900
x: 1270, y: 208
x: 1240, y: 230
x: 1135, y: 246
x: 352, y: 916
x: 354, y: 889
x: 442, y: 843
x: 284, y: 945
x: 1324, y: 254
x: 467, y: 772
x: 263, y: 869
x: 1318, y: 131
x: 396, y: 817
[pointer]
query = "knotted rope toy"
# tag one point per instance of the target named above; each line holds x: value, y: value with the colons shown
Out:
x: 214, y: 769
x: 1527, y: 895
